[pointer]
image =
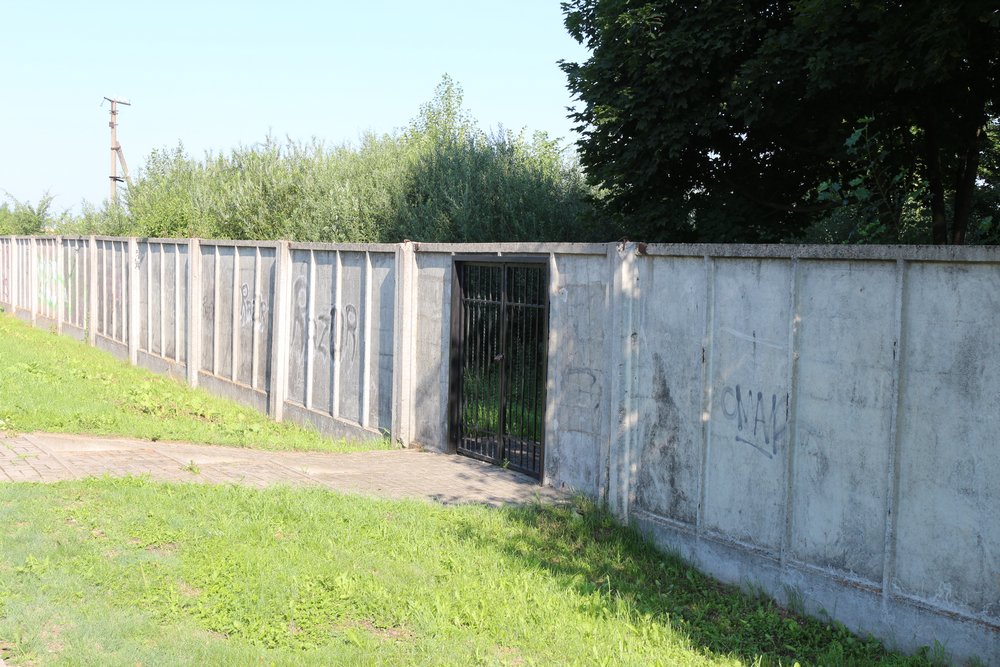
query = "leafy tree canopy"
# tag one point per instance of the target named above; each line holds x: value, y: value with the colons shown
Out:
x: 764, y: 121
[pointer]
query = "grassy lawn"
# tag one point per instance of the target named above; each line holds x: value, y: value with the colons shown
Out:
x: 127, y: 572
x: 54, y: 383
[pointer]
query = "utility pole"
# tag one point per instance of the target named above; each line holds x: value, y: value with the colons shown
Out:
x: 116, y: 152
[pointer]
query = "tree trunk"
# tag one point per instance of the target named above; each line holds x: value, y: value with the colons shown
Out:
x: 965, y: 187
x: 935, y: 180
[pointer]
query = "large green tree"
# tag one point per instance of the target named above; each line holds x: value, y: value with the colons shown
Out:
x: 752, y: 121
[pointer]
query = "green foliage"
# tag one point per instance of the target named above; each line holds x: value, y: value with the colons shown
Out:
x: 440, y: 179
x: 722, y: 122
x: 54, y: 383
x: 126, y: 571
x: 22, y: 218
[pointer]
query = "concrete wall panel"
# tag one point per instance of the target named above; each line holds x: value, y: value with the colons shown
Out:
x: 577, y: 372
x: 351, y: 341
x: 844, y: 406
x: 948, y: 531
x: 207, y: 308
x: 224, y: 311
x: 670, y: 390
x: 323, y: 320
x: 300, y: 325
x: 263, y: 316
x: 748, y: 441
x: 245, y: 298
x: 433, y: 330
x: 383, y: 290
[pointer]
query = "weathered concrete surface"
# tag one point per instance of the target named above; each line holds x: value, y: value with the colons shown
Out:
x: 844, y: 408
x: 433, y: 339
x: 576, y: 395
x: 851, y: 455
x: 745, y: 479
x: 948, y: 523
x: 409, y: 473
x: 672, y: 330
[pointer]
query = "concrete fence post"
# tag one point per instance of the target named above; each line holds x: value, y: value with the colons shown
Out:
x: 33, y: 279
x: 132, y: 301
x: 281, y: 322
x: 404, y: 336
x: 194, y: 311
x: 92, y: 288
x: 14, y: 283
x: 60, y: 283
x: 624, y: 362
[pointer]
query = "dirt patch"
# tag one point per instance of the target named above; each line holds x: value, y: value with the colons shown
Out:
x: 6, y: 651
x: 510, y: 656
x: 392, y: 633
x: 164, y: 549
x: 187, y: 590
x: 51, y: 635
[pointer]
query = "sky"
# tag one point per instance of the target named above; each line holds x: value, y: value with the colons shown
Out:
x: 216, y: 75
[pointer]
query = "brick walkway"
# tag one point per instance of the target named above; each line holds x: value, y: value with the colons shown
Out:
x: 45, y: 457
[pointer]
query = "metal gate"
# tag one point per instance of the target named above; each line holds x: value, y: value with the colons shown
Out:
x: 499, y: 348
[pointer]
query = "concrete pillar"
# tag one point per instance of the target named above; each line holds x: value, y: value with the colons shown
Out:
x: 92, y: 287
x: 624, y: 362
x: 33, y: 279
x: 60, y: 283
x: 403, y: 339
x: 281, y: 313
x: 15, y: 269
x: 131, y: 310
x: 194, y: 311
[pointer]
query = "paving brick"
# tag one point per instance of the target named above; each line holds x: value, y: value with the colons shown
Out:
x: 41, y: 457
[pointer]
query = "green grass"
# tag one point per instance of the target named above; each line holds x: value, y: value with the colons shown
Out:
x: 56, y: 384
x: 127, y: 571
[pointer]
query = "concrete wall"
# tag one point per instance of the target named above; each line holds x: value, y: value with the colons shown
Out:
x: 822, y: 424
x: 207, y: 312
x: 341, y: 347
x: 819, y: 422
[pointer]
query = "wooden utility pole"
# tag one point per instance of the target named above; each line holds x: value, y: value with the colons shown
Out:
x: 116, y: 152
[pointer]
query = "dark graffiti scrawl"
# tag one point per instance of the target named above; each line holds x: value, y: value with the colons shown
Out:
x: 761, y: 418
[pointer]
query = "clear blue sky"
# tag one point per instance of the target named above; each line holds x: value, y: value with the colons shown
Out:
x: 215, y: 75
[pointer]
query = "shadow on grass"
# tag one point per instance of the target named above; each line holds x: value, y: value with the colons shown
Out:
x: 583, y: 546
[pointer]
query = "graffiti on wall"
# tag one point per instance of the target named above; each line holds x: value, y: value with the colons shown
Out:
x: 761, y: 417
x: 322, y: 327
x: 253, y: 309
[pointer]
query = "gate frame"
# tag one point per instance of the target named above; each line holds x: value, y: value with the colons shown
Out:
x: 455, y: 347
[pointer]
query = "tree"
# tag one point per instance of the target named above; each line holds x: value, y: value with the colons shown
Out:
x: 722, y: 120
x: 25, y: 219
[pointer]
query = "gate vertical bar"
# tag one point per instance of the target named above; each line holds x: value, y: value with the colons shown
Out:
x: 501, y: 358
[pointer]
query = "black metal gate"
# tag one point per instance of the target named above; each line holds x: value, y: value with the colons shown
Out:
x: 499, y: 349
